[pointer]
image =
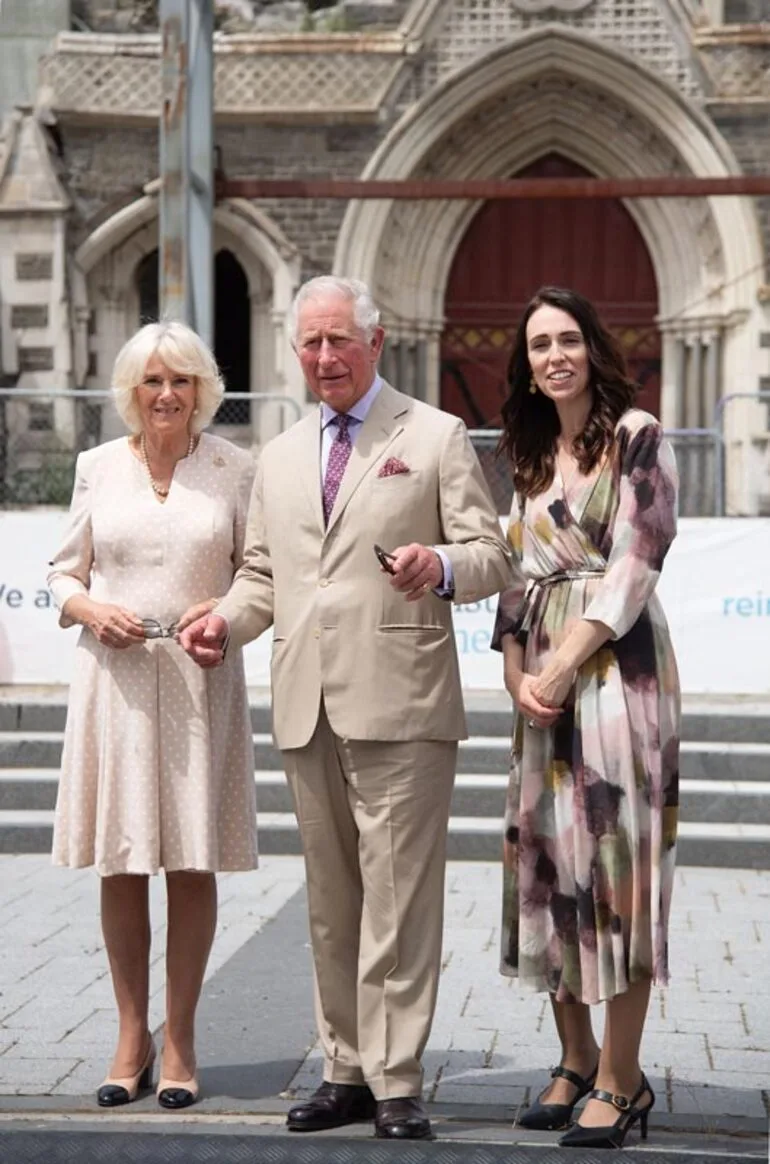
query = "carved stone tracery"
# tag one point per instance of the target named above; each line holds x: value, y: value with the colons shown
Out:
x: 506, y: 133
x: 472, y: 28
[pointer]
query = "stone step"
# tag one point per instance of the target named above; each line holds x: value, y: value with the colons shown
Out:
x: 716, y: 845
x: 475, y: 795
x: 481, y: 754
x: 721, y: 723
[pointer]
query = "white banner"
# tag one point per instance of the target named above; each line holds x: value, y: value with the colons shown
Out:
x: 715, y: 589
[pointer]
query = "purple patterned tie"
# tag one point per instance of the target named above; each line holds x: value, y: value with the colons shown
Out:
x: 339, y: 455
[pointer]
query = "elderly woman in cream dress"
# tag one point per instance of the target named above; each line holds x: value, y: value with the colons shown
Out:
x: 157, y: 767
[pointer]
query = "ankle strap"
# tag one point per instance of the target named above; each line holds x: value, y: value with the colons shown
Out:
x: 573, y: 1077
x: 620, y: 1102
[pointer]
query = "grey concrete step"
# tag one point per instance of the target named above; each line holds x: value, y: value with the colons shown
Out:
x: 480, y: 754
x: 723, y: 845
x: 475, y: 795
x: 723, y: 722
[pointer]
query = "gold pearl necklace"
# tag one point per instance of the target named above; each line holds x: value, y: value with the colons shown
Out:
x: 158, y: 489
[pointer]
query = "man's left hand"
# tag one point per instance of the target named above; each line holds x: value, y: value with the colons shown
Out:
x: 417, y: 571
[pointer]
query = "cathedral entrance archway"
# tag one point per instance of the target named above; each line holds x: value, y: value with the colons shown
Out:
x: 512, y: 247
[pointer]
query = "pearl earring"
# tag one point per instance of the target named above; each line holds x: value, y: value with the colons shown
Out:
x: 532, y: 386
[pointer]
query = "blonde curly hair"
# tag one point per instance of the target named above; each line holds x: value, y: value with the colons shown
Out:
x: 182, y: 350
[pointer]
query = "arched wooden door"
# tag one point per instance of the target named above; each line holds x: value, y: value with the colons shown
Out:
x: 511, y: 248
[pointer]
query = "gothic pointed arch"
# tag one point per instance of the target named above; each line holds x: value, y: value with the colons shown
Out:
x: 108, y: 265
x: 555, y: 90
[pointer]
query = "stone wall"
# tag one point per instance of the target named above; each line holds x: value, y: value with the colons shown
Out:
x: 340, y: 151
x: 27, y: 29
x: 745, y: 131
x: 103, y: 170
x: 746, y: 11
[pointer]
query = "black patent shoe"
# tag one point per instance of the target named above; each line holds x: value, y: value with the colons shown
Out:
x: 613, y: 1135
x: 174, y: 1095
x: 116, y: 1092
x: 552, y: 1117
x: 401, y: 1119
x: 332, y: 1106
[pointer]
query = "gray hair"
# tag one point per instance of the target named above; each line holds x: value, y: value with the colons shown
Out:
x: 366, y: 313
x: 182, y: 350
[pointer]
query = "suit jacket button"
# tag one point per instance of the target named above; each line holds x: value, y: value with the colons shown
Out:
x: 317, y: 633
x: 324, y: 582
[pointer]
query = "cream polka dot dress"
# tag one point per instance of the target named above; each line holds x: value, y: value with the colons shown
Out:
x: 158, y: 763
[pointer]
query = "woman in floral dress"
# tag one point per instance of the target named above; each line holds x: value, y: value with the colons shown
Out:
x: 591, y: 818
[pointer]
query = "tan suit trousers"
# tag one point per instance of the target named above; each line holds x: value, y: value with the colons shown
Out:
x: 373, y: 819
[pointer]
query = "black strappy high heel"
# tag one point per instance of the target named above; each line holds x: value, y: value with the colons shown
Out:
x: 552, y: 1117
x: 613, y: 1135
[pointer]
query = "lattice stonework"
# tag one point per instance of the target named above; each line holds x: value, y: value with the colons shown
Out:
x: 322, y: 81
x: 89, y: 83
x: 475, y: 27
x: 127, y: 84
x: 739, y: 70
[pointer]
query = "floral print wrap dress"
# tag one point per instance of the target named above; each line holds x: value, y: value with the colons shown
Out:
x: 591, y: 815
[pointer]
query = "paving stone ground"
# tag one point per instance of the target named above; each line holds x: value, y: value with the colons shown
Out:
x: 706, y: 1047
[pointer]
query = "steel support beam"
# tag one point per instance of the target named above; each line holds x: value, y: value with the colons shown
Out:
x: 186, y: 164
x: 483, y: 189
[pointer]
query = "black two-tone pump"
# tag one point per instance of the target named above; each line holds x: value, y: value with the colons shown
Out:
x: 552, y: 1117
x: 613, y: 1135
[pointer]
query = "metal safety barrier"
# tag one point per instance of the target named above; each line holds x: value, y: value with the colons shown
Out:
x: 759, y: 486
x: 699, y: 458
x: 42, y: 433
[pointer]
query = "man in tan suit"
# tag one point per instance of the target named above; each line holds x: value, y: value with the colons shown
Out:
x: 367, y: 703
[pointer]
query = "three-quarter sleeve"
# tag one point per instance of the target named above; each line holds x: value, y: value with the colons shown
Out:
x: 511, y: 605
x: 70, y: 571
x: 643, y: 529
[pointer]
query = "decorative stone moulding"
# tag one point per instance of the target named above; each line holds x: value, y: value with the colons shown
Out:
x: 542, y: 7
x: 738, y: 70
x: 301, y: 78
x: 470, y: 29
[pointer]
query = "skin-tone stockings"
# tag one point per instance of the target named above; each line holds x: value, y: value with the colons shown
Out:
x: 192, y: 913
x: 618, y: 1058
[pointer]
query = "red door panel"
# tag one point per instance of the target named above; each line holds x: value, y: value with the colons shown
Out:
x: 511, y: 248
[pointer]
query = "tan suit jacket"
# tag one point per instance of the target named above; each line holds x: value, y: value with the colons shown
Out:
x: 387, y: 668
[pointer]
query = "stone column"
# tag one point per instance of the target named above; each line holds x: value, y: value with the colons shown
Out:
x: 672, y: 378
x: 712, y: 377
x: 112, y: 331
x: 693, y: 395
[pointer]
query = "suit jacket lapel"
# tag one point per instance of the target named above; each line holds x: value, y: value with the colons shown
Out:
x: 383, y: 423
x: 309, y: 464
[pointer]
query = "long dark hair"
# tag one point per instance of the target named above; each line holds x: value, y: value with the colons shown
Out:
x: 530, y: 421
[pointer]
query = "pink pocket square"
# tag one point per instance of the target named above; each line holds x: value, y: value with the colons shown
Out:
x: 393, y: 467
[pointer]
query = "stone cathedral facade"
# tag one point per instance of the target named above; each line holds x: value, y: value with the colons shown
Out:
x: 413, y: 89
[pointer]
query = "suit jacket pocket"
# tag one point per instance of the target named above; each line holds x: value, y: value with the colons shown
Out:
x: 411, y: 628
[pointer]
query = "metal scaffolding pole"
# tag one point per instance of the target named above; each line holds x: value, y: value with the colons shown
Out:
x: 186, y: 164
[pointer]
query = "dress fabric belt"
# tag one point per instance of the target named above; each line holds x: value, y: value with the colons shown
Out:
x: 537, y: 587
